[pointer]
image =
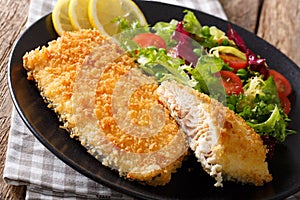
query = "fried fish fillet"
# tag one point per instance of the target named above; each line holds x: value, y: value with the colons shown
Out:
x: 107, y: 103
x: 223, y: 143
x: 54, y: 68
x: 145, y: 142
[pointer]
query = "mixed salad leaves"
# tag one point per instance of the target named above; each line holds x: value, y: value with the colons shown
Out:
x: 206, y: 58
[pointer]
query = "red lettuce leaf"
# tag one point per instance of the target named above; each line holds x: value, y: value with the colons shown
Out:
x: 184, y: 47
x: 238, y: 40
x: 256, y: 64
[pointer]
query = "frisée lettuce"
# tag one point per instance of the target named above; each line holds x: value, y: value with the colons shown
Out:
x: 192, y: 59
x: 260, y: 107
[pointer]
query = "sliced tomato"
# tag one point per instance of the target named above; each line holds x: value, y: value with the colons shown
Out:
x: 283, y: 86
x: 231, y: 82
x: 149, y: 39
x: 285, y: 104
x: 233, y: 61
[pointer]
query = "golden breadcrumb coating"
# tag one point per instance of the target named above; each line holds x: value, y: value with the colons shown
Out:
x: 131, y: 118
x: 107, y: 103
x: 222, y: 141
x: 84, y: 79
x: 54, y: 67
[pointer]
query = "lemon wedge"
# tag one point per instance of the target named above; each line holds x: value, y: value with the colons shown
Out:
x: 102, y: 12
x: 60, y: 17
x: 78, y: 13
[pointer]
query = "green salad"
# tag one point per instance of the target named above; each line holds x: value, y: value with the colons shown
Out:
x: 216, y: 63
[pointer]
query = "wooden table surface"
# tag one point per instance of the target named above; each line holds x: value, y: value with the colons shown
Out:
x: 276, y: 21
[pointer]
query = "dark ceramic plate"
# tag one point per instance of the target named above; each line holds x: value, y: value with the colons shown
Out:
x: 44, y: 124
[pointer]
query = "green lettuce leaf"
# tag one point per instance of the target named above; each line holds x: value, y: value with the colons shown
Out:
x: 156, y: 62
x: 165, y: 30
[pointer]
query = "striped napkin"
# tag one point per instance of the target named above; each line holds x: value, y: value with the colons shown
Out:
x: 29, y: 163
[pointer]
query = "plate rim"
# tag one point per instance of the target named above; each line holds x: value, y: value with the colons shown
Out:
x: 57, y: 153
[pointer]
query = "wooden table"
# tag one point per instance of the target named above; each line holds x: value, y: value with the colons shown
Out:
x: 276, y: 21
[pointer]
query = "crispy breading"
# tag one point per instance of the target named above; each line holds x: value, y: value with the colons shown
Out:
x: 84, y: 78
x: 114, y: 110
x: 222, y: 141
x: 141, y: 131
x: 55, y: 67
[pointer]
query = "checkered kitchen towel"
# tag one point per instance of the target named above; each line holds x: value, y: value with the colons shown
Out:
x: 29, y: 163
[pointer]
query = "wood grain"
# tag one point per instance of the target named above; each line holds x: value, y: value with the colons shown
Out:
x: 280, y: 25
x: 12, y: 21
x: 278, y: 22
x: 242, y: 13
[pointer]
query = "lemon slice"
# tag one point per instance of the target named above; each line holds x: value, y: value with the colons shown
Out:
x: 102, y: 12
x: 60, y: 17
x: 78, y: 13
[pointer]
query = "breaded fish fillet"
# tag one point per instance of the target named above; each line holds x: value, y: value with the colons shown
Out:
x: 107, y: 103
x: 139, y: 137
x: 55, y: 67
x: 221, y: 140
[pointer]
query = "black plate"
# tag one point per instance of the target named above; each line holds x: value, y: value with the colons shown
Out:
x: 44, y: 124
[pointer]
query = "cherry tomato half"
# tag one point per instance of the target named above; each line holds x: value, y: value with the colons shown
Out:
x: 285, y: 104
x: 149, y: 39
x: 231, y: 82
x: 233, y: 61
x: 283, y: 86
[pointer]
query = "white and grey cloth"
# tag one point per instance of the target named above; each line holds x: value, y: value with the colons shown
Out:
x: 45, y: 176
